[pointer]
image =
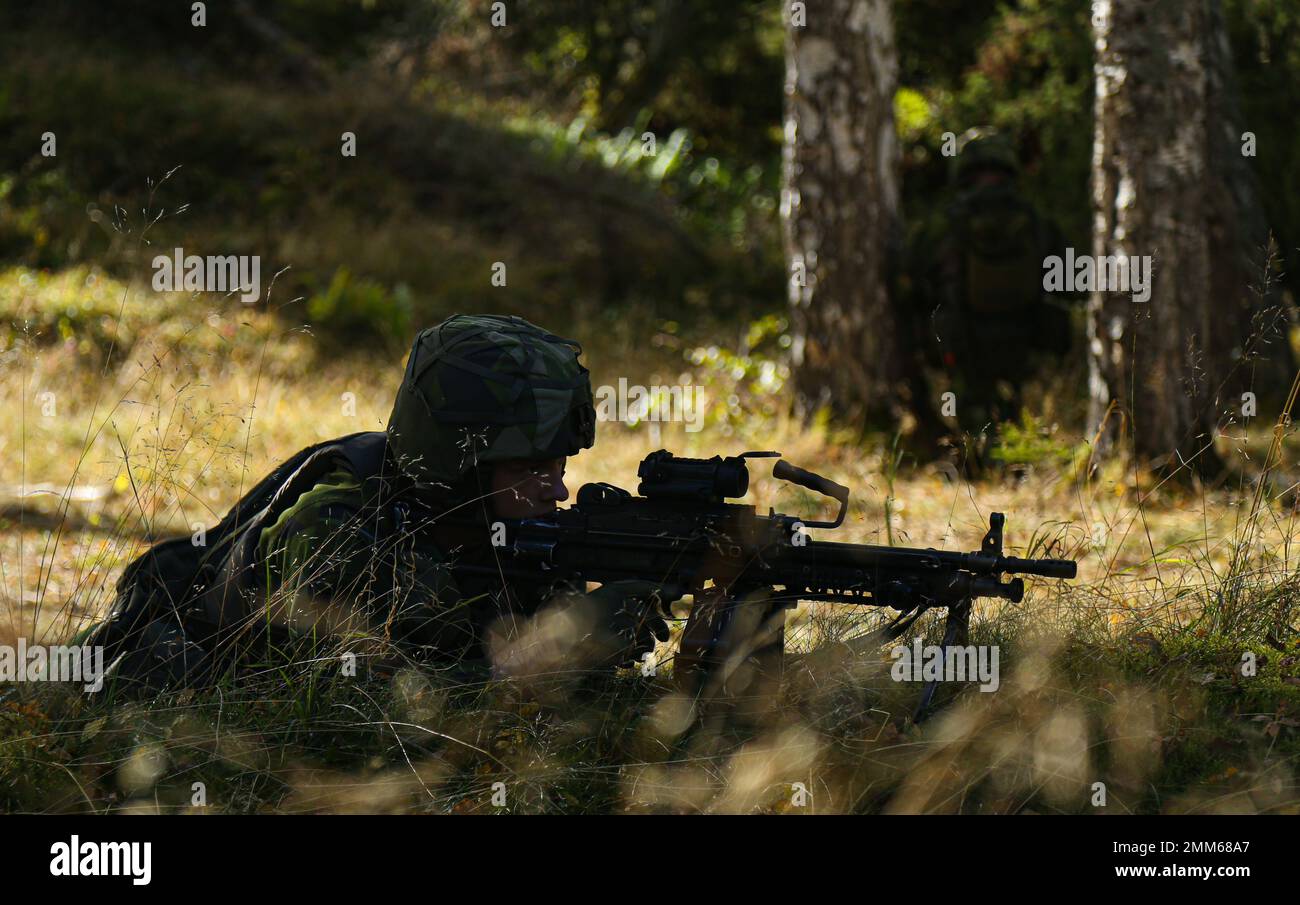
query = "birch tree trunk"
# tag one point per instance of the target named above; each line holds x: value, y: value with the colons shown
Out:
x: 1169, y: 181
x: 840, y: 206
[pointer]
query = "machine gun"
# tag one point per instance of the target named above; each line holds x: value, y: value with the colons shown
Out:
x: 745, y: 569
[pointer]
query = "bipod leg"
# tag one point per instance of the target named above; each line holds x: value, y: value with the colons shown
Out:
x: 955, y: 631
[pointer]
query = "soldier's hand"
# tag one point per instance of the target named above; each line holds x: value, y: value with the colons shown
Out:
x: 636, y: 612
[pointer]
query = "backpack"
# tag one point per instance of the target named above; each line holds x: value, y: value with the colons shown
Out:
x: 1002, y: 241
x: 163, y: 627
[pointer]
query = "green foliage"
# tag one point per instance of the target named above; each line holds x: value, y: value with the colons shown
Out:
x: 266, y: 37
x: 703, y: 79
x: 746, y: 387
x: 913, y: 115
x: 1031, y: 442
x: 81, y: 308
x: 255, y: 181
x: 707, y: 68
x: 695, y: 224
x: 628, y: 151
x: 87, y: 313
x: 1024, y: 67
x: 352, y: 306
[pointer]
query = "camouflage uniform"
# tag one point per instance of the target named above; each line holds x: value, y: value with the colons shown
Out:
x: 356, y: 540
x: 977, y: 277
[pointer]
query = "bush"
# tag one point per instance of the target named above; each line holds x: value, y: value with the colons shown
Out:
x: 350, y: 305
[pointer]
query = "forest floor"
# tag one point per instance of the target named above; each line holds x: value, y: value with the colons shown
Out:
x: 1168, y: 672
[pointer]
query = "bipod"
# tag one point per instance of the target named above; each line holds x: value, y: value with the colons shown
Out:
x: 956, y: 631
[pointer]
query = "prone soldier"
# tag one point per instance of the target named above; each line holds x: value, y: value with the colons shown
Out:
x: 355, y: 540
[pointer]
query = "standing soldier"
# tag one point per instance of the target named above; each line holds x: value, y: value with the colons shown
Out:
x: 977, y: 276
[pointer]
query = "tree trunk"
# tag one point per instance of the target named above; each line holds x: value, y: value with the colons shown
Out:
x: 840, y: 207
x: 1169, y: 181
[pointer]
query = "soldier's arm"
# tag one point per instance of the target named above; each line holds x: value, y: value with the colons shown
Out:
x: 319, y: 557
x: 332, y: 563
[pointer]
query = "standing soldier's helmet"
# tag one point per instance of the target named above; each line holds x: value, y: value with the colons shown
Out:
x: 486, y: 388
x: 983, y: 148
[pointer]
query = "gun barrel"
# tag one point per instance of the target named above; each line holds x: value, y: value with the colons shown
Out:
x: 1047, y: 568
x: 870, y: 556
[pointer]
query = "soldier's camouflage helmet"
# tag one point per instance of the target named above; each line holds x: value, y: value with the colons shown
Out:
x: 485, y: 388
x: 983, y: 148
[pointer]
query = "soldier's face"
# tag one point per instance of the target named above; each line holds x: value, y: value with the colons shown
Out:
x: 527, y: 488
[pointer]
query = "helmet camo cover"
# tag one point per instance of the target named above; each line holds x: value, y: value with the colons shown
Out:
x: 486, y: 388
x: 984, y: 148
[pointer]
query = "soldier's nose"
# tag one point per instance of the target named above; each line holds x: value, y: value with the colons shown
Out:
x: 555, y: 489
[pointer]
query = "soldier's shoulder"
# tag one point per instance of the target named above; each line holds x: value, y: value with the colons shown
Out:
x: 335, y: 501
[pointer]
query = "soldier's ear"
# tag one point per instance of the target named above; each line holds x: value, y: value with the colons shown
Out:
x: 473, y: 483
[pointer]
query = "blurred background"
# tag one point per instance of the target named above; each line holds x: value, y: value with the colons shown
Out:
x: 623, y: 159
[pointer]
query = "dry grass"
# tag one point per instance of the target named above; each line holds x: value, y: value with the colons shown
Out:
x: 1126, y: 675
